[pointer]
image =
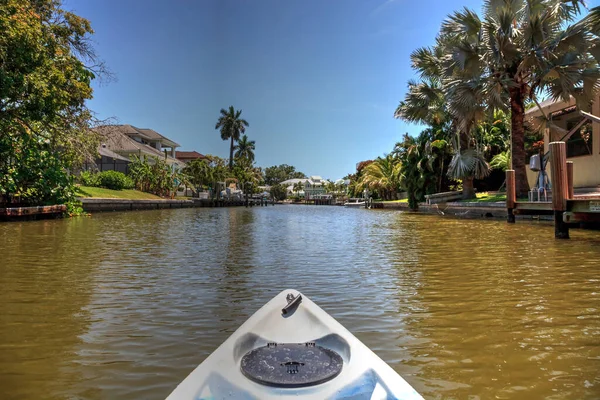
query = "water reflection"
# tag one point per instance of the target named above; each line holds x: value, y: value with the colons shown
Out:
x: 494, y: 319
x: 45, y: 286
x: 125, y: 305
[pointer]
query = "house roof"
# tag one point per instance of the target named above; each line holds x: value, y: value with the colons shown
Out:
x: 106, y: 152
x: 293, y: 181
x: 313, y: 181
x: 189, y: 154
x: 152, y: 134
x: 549, y: 106
x: 145, y: 133
x: 117, y: 141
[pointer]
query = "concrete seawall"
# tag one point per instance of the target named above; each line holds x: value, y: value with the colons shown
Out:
x: 461, y: 209
x: 97, y: 205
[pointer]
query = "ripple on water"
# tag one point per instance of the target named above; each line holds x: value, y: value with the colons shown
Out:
x: 125, y: 305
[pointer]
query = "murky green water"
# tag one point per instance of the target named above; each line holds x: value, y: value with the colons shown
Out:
x: 125, y: 305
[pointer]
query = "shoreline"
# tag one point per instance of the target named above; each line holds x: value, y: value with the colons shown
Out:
x: 472, y: 210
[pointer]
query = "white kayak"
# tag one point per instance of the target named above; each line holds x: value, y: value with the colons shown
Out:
x: 292, y: 348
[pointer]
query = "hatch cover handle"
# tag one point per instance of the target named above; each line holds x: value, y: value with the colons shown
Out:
x: 293, y: 302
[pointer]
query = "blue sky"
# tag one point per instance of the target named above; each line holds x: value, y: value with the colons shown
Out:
x: 318, y: 80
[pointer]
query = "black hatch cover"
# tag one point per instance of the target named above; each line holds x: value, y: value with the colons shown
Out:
x: 291, y: 365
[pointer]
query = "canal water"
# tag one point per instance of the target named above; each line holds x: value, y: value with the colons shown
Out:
x: 125, y: 305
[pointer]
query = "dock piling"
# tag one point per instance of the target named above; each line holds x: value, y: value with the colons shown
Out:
x: 511, y: 195
x: 560, y: 187
x: 570, y: 192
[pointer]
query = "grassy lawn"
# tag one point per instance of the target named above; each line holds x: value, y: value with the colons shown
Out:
x: 396, y: 201
x: 102, y: 193
x: 485, y: 197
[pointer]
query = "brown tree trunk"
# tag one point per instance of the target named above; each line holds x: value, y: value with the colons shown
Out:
x: 518, y: 156
x: 231, y: 154
x: 467, y: 183
x: 468, y: 188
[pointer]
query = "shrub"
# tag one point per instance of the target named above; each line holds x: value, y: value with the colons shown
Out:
x: 278, y: 192
x: 113, y: 180
x: 87, y: 178
x: 129, y: 183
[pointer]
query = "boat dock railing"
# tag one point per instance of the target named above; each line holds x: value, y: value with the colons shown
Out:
x: 566, y: 208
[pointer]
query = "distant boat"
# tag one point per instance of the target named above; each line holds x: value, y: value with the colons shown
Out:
x: 355, y: 203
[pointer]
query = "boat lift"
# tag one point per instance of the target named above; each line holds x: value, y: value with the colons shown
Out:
x: 536, y: 164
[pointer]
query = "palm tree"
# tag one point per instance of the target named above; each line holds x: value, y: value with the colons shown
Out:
x: 231, y: 126
x: 417, y: 157
x: 382, y: 175
x: 298, y: 186
x: 521, y: 50
x: 199, y: 173
x: 433, y: 101
x: 245, y: 148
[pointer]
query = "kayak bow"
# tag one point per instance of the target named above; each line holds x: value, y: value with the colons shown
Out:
x: 292, y: 348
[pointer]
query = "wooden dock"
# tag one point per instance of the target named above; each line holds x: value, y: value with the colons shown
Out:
x: 20, y: 213
x: 566, y: 208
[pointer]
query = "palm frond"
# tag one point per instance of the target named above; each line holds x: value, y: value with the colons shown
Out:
x: 468, y: 163
x: 462, y: 25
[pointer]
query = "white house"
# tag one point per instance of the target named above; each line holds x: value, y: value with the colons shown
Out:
x: 311, y: 186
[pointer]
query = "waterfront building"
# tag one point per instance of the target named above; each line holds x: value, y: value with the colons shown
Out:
x: 311, y: 186
x: 187, y: 156
x: 127, y: 141
x: 583, y: 146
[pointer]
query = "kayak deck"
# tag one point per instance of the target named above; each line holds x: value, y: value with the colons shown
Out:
x: 299, y: 351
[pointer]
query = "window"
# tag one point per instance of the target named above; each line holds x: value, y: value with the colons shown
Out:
x: 580, y: 143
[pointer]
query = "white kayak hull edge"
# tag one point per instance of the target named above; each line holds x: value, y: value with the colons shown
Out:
x: 363, y: 376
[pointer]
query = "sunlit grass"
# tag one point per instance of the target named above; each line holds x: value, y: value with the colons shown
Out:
x: 485, y: 197
x: 102, y: 193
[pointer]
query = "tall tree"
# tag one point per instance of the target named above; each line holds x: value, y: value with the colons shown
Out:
x: 298, y: 187
x: 47, y: 63
x: 245, y: 148
x: 436, y: 100
x: 280, y: 173
x: 382, y: 176
x: 231, y: 126
x: 520, y: 50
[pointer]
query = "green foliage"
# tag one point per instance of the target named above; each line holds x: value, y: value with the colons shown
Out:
x: 88, y: 178
x: 468, y: 163
x: 417, y: 157
x: 501, y: 161
x: 382, y: 177
x: 246, y: 174
x: 279, y: 173
x: 44, y: 84
x: 245, y: 148
x: 297, y: 188
x: 114, y: 180
x: 33, y: 173
x: 206, y: 173
x: 154, y: 176
x: 278, y: 192
x: 231, y: 126
x: 514, y: 54
x: 74, y: 208
x: 457, y: 186
x: 107, y: 179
